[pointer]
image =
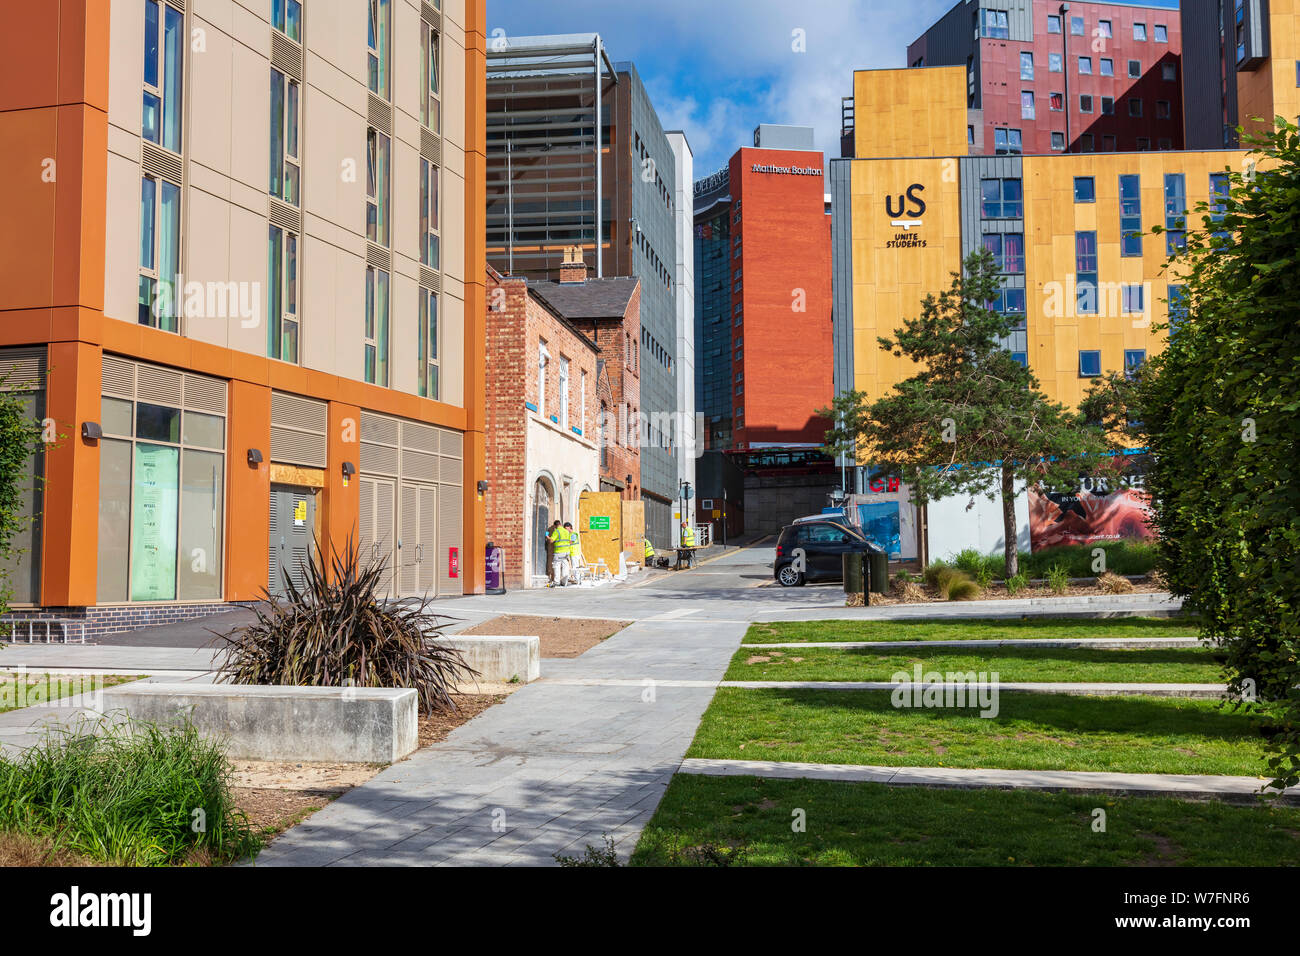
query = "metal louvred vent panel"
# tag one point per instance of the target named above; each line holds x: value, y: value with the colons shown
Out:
x: 408, y: 540
x: 285, y: 216
x: 419, y: 465
x: 297, y: 448
x: 294, y: 411
x: 449, y: 516
x: 379, y: 428
x: 379, y: 258
x: 453, y: 443
x: 419, y: 437
x: 449, y: 471
x: 431, y: 146
x: 159, y: 386
x: 118, y: 377
x: 22, y: 370
x: 286, y: 56
x: 160, y: 162
x: 431, y: 15
x: 379, y: 114
x: 204, y: 394
x: 430, y: 279
x: 378, y: 459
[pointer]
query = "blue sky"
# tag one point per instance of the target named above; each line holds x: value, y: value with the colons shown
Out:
x: 718, y: 68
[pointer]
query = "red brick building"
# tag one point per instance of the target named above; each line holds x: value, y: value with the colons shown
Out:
x: 1097, y: 77
x: 607, y: 311
x: 542, y: 423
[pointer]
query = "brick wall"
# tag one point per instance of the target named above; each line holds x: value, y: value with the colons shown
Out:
x: 620, y: 349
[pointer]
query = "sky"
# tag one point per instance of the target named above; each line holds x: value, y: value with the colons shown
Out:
x: 718, y: 68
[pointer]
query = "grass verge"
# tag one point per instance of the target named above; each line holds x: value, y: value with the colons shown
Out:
x: 748, y: 821
x: 132, y: 795
x: 25, y: 690
x: 1191, y: 665
x: 989, y: 630
x: 1030, y: 732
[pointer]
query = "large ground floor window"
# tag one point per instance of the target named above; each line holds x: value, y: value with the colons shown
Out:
x: 161, y: 502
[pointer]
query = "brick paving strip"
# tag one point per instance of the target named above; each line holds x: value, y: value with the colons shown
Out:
x: 1242, y: 789
x: 975, y: 687
x: 1101, y: 643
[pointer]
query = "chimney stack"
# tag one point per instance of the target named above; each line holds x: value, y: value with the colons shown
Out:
x: 573, y: 268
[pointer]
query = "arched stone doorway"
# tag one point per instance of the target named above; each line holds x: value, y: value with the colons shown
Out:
x: 544, y: 507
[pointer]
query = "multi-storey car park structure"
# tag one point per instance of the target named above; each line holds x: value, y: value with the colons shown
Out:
x: 242, y: 358
x: 553, y: 183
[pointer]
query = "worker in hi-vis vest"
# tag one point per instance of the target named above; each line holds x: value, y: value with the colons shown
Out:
x: 561, y: 563
x: 688, y: 536
x: 552, y: 536
x: 649, y: 553
x: 575, y: 549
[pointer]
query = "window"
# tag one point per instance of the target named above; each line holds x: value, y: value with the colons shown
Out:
x: 1085, y: 65
x: 1175, y: 211
x: 1106, y: 66
x: 376, y: 327
x: 564, y: 392
x: 428, y: 345
x: 1008, y: 250
x: 1089, y: 363
x: 1134, y: 106
x: 1103, y: 29
x: 1026, y: 66
x: 1085, y: 264
x: 1053, y: 63
x: 431, y: 96
x: 1020, y: 358
x: 1169, y: 72
x: 430, y: 253
x: 995, y: 24
x: 1086, y: 143
x: 1132, y: 302
x: 282, y: 295
x: 378, y: 26
x: 1144, y: 143
x: 1076, y: 26
x: 1176, y: 296
x: 285, y: 162
x: 1219, y: 189
x: 970, y: 135
x: 1139, y: 31
x: 1027, y: 104
x: 1160, y: 33
x: 1107, y: 142
x: 1085, y: 189
x: 1130, y: 216
x: 1006, y: 142
x: 1085, y: 104
x: 1058, y: 141
x: 582, y: 402
x: 377, y: 167
x: 1164, y: 142
x: 1053, y: 23
x: 1162, y: 109
x: 1108, y: 109
x: 1134, y: 69
x: 160, y: 253
x: 161, y: 507
x: 164, y: 53
x: 543, y: 356
x: 1056, y: 102
x: 286, y: 16
x: 1001, y: 199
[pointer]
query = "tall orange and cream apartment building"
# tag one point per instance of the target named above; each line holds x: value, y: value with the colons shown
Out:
x: 242, y: 281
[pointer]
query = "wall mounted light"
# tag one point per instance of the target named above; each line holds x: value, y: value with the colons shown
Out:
x: 482, y: 487
x: 90, y: 431
x: 254, y: 457
x: 349, y: 469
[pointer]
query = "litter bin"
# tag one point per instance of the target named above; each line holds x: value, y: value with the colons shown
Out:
x: 877, y: 561
x: 853, y: 568
x: 494, y: 577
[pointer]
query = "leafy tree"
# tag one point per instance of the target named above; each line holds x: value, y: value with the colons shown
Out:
x: 20, y: 436
x: 1221, y: 409
x: 971, y: 419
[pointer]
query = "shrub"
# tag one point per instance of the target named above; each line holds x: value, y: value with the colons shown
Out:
x: 1058, y: 579
x: 1017, y: 583
x: 955, y: 585
x: 125, y: 793
x: 336, y: 632
x: 1114, y: 584
x: 968, y: 560
x: 932, y: 571
x: 1079, y: 560
x: 591, y: 856
x: 964, y: 590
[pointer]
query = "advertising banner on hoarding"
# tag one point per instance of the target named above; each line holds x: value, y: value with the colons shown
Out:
x: 1103, y: 508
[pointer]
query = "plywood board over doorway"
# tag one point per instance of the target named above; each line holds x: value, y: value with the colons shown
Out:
x: 600, y: 525
x: 634, y: 529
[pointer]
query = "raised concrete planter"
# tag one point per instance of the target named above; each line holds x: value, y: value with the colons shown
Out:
x: 331, y: 724
x: 499, y: 660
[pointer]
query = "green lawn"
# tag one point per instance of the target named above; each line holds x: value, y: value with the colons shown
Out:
x: 1030, y: 732
x: 1190, y: 665
x: 827, y: 631
x: 748, y: 821
x: 43, y: 687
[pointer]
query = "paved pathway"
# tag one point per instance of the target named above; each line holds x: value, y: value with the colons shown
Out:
x: 1148, y: 784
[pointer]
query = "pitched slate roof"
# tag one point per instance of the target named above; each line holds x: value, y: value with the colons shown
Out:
x: 593, y: 299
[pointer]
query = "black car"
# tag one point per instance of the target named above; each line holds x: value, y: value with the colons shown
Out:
x: 821, y: 544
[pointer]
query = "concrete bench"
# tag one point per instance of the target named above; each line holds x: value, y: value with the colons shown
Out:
x: 327, y: 724
x: 498, y: 660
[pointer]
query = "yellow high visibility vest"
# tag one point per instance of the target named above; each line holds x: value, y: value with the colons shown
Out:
x: 649, y: 550
x: 688, y: 537
x: 562, y: 545
x: 574, y: 543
